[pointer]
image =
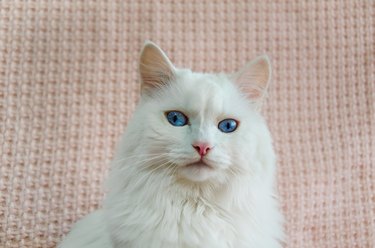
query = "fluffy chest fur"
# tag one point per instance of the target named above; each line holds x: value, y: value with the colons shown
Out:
x: 174, y: 222
x: 174, y: 218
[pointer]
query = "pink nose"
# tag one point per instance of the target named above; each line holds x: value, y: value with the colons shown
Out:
x: 202, y: 148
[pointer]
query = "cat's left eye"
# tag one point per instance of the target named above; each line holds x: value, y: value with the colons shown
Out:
x: 176, y: 118
x: 228, y: 125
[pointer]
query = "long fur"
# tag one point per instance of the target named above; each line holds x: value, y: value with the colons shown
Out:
x: 155, y: 200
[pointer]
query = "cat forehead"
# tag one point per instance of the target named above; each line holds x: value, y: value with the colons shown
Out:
x: 202, y: 85
x: 203, y: 93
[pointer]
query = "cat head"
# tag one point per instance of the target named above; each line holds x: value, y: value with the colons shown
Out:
x: 201, y: 127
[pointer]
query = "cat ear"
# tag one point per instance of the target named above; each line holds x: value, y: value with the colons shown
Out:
x: 254, y: 78
x: 155, y: 68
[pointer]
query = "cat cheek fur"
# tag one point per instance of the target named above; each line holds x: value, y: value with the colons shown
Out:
x: 153, y: 201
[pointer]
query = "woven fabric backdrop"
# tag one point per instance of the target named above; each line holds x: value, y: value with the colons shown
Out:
x: 68, y: 86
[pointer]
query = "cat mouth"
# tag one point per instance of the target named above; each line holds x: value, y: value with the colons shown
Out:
x: 197, y: 171
x: 199, y: 164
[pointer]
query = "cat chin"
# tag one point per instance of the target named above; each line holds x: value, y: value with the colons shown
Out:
x: 197, y: 172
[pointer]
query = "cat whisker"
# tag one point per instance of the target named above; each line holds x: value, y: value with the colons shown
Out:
x: 148, y: 156
x: 131, y: 157
x: 155, y: 164
x: 149, y: 173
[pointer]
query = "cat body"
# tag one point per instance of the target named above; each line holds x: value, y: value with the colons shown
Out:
x: 195, y: 168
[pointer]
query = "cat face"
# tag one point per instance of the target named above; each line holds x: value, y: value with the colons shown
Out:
x: 199, y: 127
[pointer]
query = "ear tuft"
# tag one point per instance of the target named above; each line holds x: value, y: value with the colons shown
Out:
x: 254, y: 78
x: 156, y: 70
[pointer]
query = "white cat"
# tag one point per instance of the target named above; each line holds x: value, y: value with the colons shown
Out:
x: 195, y: 168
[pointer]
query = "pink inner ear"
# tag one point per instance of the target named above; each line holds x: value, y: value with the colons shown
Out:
x: 254, y: 94
x: 155, y: 68
x: 254, y: 77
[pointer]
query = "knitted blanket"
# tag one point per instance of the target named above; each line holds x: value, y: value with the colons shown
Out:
x: 69, y: 84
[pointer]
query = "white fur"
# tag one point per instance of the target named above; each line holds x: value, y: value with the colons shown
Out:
x: 154, y: 200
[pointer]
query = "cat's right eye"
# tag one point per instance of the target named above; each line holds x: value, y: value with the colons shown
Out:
x: 176, y: 118
x: 228, y: 125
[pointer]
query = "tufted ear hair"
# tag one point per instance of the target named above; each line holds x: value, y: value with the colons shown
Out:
x: 254, y: 78
x: 155, y: 68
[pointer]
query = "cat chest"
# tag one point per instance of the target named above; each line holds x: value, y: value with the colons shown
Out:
x: 188, y: 225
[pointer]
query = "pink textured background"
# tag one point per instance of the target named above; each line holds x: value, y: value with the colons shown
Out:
x: 68, y: 85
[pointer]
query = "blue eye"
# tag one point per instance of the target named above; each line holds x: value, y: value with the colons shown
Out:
x: 176, y: 118
x: 227, y: 125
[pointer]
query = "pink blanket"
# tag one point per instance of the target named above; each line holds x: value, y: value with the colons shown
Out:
x: 69, y: 84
